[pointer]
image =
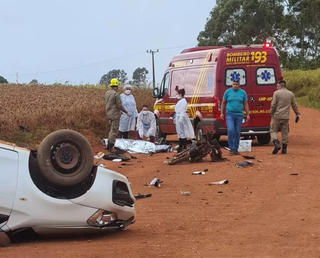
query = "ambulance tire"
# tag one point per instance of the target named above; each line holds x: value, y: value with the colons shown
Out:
x: 264, y: 139
x: 159, y: 133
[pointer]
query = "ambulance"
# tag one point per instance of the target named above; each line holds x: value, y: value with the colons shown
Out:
x: 206, y: 73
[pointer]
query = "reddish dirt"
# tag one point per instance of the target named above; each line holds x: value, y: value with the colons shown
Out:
x: 263, y: 211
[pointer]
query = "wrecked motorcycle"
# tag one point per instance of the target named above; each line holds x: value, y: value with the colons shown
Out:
x: 200, y: 149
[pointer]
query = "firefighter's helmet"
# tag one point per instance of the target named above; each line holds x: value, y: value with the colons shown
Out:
x: 114, y: 82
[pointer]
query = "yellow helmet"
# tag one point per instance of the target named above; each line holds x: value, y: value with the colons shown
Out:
x: 114, y: 82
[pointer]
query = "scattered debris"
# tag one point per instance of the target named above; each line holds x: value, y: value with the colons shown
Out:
x: 126, y: 164
x: 220, y: 192
x: 244, y: 164
x: 140, y: 196
x: 133, y: 157
x: 110, y: 156
x: 249, y: 157
x: 117, y: 160
x: 294, y: 174
x: 165, y: 162
x: 222, y: 182
x: 185, y: 193
x: 206, y: 170
x: 155, y: 182
x: 259, y: 160
x: 198, y: 173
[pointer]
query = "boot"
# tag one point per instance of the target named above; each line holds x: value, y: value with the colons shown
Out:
x: 284, y: 148
x: 276, y: 146
x: 184, y: 143
x: 180, y: 145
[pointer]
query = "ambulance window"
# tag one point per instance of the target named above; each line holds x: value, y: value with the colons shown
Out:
x: 266, y: 76
x: 177, y: 80
x: 165, y: 84
x: 236, y: 74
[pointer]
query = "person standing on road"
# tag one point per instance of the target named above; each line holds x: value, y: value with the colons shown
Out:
x: 146, y: 124
x: 280, y: 114
x: 127, y: 123
x: 235, y: 99
x: 113, y: 107
x: 183, y: 124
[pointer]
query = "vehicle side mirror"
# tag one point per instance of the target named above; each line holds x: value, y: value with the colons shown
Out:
x: 155, y: 92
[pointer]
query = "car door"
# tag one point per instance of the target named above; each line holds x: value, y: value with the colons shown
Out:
x: 9, y: 174
x: 163, y: 101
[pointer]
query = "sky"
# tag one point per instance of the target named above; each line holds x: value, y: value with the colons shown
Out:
x: 79, y: 41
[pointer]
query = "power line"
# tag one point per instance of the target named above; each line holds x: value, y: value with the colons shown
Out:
x: 91, y: 64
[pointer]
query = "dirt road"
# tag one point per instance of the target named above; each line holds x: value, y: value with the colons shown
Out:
x: 263, y: 211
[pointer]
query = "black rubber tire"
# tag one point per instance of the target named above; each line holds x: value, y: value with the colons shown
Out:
x: 180, y: 157
x: 159, y: 133
x: 199, y: 131
x: 67, y: 141
x: 264, y: 139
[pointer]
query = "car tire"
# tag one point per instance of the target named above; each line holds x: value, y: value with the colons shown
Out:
x: 264, y: 139
x: 65, y: 158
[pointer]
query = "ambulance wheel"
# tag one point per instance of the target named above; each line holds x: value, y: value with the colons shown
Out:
x: 264, y: 139
x: 160, y: 134
x: 65, y: 158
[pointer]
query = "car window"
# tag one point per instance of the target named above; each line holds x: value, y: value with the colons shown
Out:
x: 235, y: 74
x: 165, y: 84
x: 266, y: 76
x: 177, y: 80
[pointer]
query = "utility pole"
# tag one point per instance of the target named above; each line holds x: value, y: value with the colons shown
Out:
x: 17, y: 78
x: 152, y: 52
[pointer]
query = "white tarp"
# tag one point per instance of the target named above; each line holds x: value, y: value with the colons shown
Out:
x: 139, y: 146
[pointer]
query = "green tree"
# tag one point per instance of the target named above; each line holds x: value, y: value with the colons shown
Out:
x: 34, y: 81
x: 140, y: 75
x: 121, y: 75
x: 292, y: 25
x: 3, y: 80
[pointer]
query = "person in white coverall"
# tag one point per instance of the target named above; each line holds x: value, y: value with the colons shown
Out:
x: 182, y: 121
x: 146, y: 124
x: 128, y: 123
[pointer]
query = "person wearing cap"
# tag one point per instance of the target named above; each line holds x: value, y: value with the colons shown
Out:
x: 114, y: 108
x: 234, y: 100
x: 280, y: 114
x: 127, y: 123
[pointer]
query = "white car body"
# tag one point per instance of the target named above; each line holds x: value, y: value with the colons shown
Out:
x: 23, y: 205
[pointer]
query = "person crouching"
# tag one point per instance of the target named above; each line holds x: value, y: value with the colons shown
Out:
x: 146, y: 124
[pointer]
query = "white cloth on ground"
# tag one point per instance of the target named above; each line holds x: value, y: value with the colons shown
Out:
x: 146, y: 124
x: 128, y: 123
x: 182, y: 121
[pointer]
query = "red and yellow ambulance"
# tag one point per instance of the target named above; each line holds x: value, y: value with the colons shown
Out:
x: 206, y: 73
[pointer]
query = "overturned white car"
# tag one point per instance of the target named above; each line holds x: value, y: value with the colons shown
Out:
x: 59, y: 187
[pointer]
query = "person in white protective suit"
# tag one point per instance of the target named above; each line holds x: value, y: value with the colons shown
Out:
x: 129, y: 103
x: 146, y: 124
x: 182, y: 121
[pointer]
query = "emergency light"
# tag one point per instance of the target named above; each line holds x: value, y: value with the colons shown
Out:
x: 267, y: 44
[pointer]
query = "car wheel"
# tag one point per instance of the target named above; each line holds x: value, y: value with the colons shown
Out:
x: 159, y: 133
x: 65, y: 158
x: 264, y: 139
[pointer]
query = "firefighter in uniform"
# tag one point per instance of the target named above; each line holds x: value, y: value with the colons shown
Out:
x: 114, y: 108
x: 280, y: 112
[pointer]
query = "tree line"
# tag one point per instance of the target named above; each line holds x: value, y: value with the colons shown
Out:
x: 139, y: 77
x: 293, y: 26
